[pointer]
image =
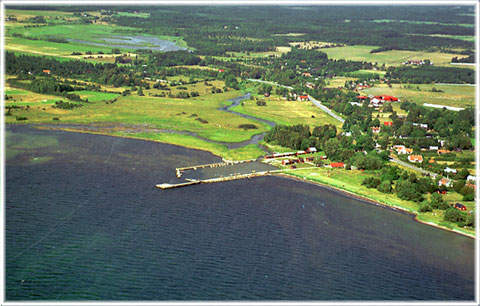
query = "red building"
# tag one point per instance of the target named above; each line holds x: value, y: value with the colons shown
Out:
x: 387, y: 98
x: 336, y: 165
x: 388, y: 123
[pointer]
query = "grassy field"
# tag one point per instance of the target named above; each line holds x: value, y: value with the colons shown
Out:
x: 22, y: 97
x: 286, y: 112
x: 389, y: 58
x: 351, y: 181
x: 247, y: 152
x: 453, y: 95
x: 161, y: 113
x: 129, y: 14
x: 64, y: 29
x: 425, y: 22
x: 94, y: 96
x: 25, y: 14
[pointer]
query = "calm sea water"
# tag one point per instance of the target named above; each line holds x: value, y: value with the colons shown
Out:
x: 85, y: 222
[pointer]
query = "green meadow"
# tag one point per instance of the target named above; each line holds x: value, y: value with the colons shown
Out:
x: 425, y: 22
x: 94, y: 96
x: 199, y: 115
x: 389, y: 58
x: 286, y: 112
x: 452, y: 95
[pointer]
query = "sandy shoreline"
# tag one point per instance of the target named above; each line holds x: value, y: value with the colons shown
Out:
x: 288, y: 176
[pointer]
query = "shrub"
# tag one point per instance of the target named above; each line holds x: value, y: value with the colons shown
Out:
x: 425, y: 207
x: 371, y: 182
x: 385, y: 187
x: 247, y: 126
x: 454, y: 215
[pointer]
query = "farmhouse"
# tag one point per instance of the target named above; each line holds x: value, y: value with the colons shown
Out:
x: 450, y: 170
x: 356, y: 103
x: 414, y: 62
x: 460, y: 206
x: 387, y: 98
x: 46, y: 71
x: 442, y: 151
x: 376, y: 129
x: 433, y: 148
x: 302, y: 98
x: 375, y: 103
x: 388, y: 123
x: 445, y: 182
x: 422, y: 125
x: 471, y: 178
x: 307, y: 74
x: 337, y: 165
x: 415, y: 158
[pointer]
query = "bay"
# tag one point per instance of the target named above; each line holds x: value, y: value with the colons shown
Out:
x: 85, y: 222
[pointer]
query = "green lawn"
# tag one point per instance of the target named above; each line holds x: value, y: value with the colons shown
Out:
x: 389, y: 58
x: 453, y: 95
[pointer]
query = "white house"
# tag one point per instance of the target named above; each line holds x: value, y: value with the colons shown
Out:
x: 471, y: 178
x: 450, y: 170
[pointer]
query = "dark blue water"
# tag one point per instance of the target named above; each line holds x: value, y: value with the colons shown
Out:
x: 84, y: 222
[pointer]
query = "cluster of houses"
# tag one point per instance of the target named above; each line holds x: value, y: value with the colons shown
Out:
x: 415, y: 62
x: 375, y: 101
x: 401, y: 149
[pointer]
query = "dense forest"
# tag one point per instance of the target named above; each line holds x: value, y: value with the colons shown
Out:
x: 427, y: 74
x: 214, y: 30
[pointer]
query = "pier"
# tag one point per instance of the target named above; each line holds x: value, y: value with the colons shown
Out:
x: 179, y: 171
x: 216, y: 179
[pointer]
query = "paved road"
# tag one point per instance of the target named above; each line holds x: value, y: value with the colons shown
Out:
x: 392, y: 159
x: 314, y: 101
x: 270, y: 83
x: 326, y: 109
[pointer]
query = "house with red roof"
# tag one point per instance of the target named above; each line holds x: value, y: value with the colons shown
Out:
x: 387, y: 98
x: 302, y: 98
x: 337, y: 165
x: 415, y: 158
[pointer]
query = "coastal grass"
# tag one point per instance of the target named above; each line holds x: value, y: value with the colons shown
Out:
x: 199, y: 115
x: 389, y: 58
x: 452, y: 95
x: 286, y: 112
x: 247, y: 152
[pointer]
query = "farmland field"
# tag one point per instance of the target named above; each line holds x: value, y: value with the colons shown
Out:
x: 287, y: 112
x: 452, y: 95
x: 389, y: 58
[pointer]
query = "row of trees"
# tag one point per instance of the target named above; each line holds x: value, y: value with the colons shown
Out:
x: 426, y: 74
